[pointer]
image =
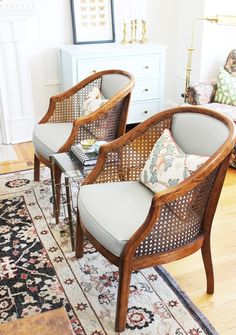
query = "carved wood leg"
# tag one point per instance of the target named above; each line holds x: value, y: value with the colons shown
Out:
x: 36, y: 168
x: 125, y: 271
x: 79, y: 247
x: 207, y: 260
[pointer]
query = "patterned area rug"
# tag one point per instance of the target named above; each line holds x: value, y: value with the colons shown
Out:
x: 38, y: 272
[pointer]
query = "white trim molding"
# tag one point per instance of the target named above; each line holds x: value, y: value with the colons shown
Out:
x: 14, y: 10
x: 16, y: 103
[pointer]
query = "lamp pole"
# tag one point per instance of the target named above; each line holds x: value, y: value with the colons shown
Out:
x: 190, y: 52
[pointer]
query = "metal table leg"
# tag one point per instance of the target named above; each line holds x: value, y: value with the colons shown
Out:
x: 70, y: 218
x: 54, y: 192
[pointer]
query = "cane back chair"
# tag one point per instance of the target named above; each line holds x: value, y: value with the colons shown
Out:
x: 135, y: 228
x: 65, y: 123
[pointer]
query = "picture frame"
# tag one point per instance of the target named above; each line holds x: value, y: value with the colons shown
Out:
x: 92, y: 21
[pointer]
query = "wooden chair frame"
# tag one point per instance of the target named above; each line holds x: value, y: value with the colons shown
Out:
x: 56, y: 114
x: 133, y: 257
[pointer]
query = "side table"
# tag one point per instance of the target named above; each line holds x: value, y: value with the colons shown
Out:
x: 70, y: 167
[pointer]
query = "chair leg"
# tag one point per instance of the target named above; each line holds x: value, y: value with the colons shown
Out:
x: 36, y: 168
x: 125, y: 271
x: 79, y: 247
x: 207, y: 260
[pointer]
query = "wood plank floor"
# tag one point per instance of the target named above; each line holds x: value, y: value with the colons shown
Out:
x: 25, y: 158
x: 52, y: 322
x: 189, y: 273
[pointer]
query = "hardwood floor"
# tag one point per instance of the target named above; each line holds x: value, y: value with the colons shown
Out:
x: 52, y: 322
x: 25, y: 157
x: 189, y: 272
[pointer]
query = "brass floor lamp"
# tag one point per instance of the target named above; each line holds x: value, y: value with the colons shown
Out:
x: 228, y: 20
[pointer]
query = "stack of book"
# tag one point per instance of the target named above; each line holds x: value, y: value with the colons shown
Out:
x: 87, y: 158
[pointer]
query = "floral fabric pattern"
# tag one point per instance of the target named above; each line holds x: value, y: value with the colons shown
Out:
x: 201, y: 93
x: 93, y: 101
x: 230, y: 65
x: 167, y: 165
x: 39, y: 272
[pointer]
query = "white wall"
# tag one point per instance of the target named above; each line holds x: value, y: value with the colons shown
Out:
x: 29, y: 62
x: 169, y: 22
x: 54, y: 29
x: 218, y: 40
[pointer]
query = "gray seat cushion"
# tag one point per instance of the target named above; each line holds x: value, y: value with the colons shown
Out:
x: 48, y: 138
x: 112, y: 212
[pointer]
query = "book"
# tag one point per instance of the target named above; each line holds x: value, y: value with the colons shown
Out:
x: 85, y: 169
x: 87, y: 158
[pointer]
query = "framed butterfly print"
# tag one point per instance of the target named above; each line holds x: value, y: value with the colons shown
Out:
x: 92, y: 21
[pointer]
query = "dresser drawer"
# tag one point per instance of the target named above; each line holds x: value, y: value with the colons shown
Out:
x: 146, y: 88
x: 140, y: 111
x: 139, y: 66
x: 145, y: 65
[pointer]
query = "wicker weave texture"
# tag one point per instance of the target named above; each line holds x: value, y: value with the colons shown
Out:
x: 127, y: 162
x: 72, y: 108
x: 180, y: 221
x: 103, y: 128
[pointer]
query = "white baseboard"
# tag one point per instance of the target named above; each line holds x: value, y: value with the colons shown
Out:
x: 20, y: 130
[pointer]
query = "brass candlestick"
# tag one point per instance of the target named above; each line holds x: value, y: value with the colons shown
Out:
x: 124, y: 40
x: 135, y: 30
x: 132, y: 32
x: 144, y: 33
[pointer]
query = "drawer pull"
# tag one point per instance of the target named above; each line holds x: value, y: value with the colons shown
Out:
x: 146, y: 67
x: 145, y: 112
x: 146, y: 90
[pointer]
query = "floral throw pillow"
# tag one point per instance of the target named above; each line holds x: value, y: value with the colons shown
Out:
x: 93, y: 101
x: 167, y: 165
x: 226, y: 88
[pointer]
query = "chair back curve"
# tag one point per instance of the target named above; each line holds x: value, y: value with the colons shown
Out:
x: 191, y: 132
x: 112, y: 84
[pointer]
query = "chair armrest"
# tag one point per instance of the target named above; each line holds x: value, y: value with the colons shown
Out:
x: 117, y: 161
x: 201, y: 93
x: 188, y: 206
x: 124, y: 158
